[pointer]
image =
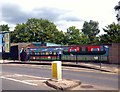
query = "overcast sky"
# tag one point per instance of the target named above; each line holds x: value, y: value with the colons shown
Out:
x: 64, y: 13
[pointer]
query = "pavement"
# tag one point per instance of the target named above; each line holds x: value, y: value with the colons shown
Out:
x: 69, y: 84
x: 113, y: 68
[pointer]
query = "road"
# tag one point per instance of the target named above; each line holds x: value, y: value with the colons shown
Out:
x: 25, y: 77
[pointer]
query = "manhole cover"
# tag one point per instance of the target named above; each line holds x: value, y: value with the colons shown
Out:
x: 86, y: 86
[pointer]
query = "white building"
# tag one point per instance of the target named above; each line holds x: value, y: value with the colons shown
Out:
x: 117, y: 8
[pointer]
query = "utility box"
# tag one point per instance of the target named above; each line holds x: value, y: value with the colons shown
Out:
x: 56, y: 70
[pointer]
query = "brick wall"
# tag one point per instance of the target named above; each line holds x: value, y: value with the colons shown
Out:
x: 114, y: 53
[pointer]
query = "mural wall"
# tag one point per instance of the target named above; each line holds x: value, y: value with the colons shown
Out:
x: 4, y: 45
x: 4, y: 42
x: 0, y: 43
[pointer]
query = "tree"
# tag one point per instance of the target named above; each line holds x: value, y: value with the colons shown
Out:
x: 19, y: 34
x: 112, y: 34
x: 84, y: 39
x: 41, y: 30
x: 117, y: 8
x: 59, y: 37
x: 91, y: 29
x: 4, y: 27
x: 37, y: 30
x: 72, y: 36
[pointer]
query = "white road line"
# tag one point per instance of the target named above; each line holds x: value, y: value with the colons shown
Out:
x: 32, y: 76
x: 23, y: 75
x: 18, y: 75
x: 19, y: 81
x: 40, y: 81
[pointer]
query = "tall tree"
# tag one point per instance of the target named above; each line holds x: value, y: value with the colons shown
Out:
x: 36, y: 30
x: 91, y: 29
x: 112, y: 34
x: 59, y: 37
x: 84, y: 39
x: 73, y: 35
x: 19, y: 34
x: 41, y: 30
x: 4, y: 27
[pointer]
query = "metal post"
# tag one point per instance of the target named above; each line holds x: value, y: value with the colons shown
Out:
x: 76, y: 60
x: 100, y: 62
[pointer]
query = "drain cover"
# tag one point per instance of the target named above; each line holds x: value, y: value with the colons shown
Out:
x: 86, y: 86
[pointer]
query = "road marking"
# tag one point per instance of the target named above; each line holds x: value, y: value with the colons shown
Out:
x: 23, y: 75
x: 40, y: 81
x: 33, y: 76
x: 18, y: 75
x: 33, y: 84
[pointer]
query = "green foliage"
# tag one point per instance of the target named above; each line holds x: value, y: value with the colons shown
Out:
x: 91, y: 29
x: 75, y: 37
x: 72, y: 35
x: 59, y: 37
x: 4, y: 27
x: 19, y: 34
x: 84, y: 39
x: 37, y: 30
x: 112, y: 34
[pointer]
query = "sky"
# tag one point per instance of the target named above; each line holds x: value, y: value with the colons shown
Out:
x: 64, y: 13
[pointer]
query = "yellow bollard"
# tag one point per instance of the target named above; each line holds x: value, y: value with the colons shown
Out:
x: 56, y: 70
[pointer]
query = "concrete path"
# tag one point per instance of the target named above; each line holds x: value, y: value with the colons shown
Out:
x: 114, y: 68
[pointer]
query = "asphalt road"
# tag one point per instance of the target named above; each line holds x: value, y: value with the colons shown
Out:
x: 106, y: 81
x: 12, y: 85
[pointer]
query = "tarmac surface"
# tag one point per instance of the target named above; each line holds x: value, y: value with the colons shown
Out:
x: 69, y: 84
x: 114, y: 68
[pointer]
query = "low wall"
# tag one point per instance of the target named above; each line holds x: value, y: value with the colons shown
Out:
x: 114, y: 53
